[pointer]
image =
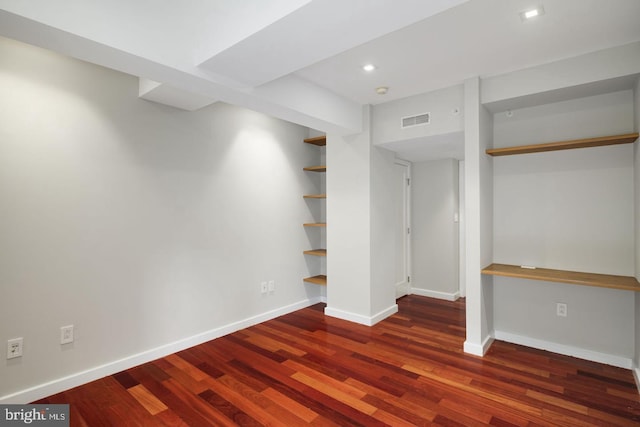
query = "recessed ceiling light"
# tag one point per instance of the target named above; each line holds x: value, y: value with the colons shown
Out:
x: 531, y: 13
x: 382, y: 90
x: 369, y: 67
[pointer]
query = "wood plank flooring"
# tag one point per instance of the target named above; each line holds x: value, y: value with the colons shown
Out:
x: 305, y: 368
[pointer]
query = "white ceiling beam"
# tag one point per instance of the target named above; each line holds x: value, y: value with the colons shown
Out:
x: 315, y: 32
x: 345, y: 118
x: 584, y: 75
x: 168, y: 95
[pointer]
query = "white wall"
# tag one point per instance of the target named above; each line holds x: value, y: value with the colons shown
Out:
x: 435, y: 245
x: 636, y: 164
x: 570, y: 210
x: 360, y: 263
x: 348, y: 236
x: 595, y: 72
x: 384, y: 191
x: 636, y: 148
x: 599, y: 115
x: 442, y: 104
x: 479, y: 216
x: 442, y: 138
x: 142, y: 225
x: 486, y: 224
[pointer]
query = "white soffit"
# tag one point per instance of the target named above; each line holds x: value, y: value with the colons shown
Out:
x: 434, y: 147
x: 315, y: 32
x: 171, y: 32
x: 174, y: 97
x: 564, y: 94
x: 190, y: 80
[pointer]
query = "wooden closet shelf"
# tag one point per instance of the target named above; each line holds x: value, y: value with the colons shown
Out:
x: 316, y: 252
x: 317, y: 280
x: 564, y: 145
x: 315, y: 224
x: 628, y: 283
x: 320, y: 141
x: 316, y: 168
x: 315, y: 196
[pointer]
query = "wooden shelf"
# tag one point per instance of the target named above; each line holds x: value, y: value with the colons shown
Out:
x: 316, y: 168
x: 564, y: 145
x: 317, y: 280
x: 573, y: 277
x: 320, y: 141
x: 320, y: 279
x: 316, y: 252
x: 315, y: 224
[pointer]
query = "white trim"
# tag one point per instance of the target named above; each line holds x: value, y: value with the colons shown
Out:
x: 567, y: 350
x: 636, y: 375
x: 347, y: 315
x: 358, y: 318
x: 61, y: 384
x: 478, y: 350
x: 390, y: 311
x: 435, y: 294
x: 407, y: 208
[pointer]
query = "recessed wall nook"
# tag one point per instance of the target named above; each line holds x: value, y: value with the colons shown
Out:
x: 319, y: 240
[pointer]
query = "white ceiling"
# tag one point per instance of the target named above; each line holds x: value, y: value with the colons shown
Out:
x: 301, y: 59
x: 478, y: 38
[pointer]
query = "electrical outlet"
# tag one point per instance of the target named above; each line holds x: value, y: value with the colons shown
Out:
x: 272, y: 285
x: 66, y: 334
x: 561, y: 309
x: 264, y: 287
x: 14, y: 348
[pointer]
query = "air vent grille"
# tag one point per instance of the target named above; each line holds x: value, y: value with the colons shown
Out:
x: 418, y: 120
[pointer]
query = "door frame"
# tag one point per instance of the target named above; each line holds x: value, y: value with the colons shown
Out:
x: 462, y: 242
x: 400, y: 292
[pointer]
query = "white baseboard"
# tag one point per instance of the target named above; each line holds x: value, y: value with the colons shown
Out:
x: 390, y: 311
x: 435, y: 294
x: 61, y: 384
x: 478, y: 349
x: 567, y: 350
x: 636, y: 375
x: 358, y: 318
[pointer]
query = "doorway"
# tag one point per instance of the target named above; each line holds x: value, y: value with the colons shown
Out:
x: 402, y: 212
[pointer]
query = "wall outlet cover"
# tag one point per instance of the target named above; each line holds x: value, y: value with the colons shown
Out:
x: 14, y: 348
x: 66, y: 334
x: 561, y: 309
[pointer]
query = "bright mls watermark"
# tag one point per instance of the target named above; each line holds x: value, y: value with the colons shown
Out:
x: 34, y: 415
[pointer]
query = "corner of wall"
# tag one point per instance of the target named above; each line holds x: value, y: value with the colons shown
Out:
x: 479, y: 220
x: 636, y: 170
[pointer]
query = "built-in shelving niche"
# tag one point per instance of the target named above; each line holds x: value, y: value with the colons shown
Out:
x: 563, y: 276
x: 320, y: 279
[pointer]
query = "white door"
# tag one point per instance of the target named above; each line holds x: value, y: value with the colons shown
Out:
x: 402, y: 178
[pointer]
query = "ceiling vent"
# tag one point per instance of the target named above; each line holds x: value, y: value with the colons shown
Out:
x: 419, y: 120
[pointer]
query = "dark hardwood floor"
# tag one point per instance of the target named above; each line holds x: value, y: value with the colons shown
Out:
x: 408, y: 370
